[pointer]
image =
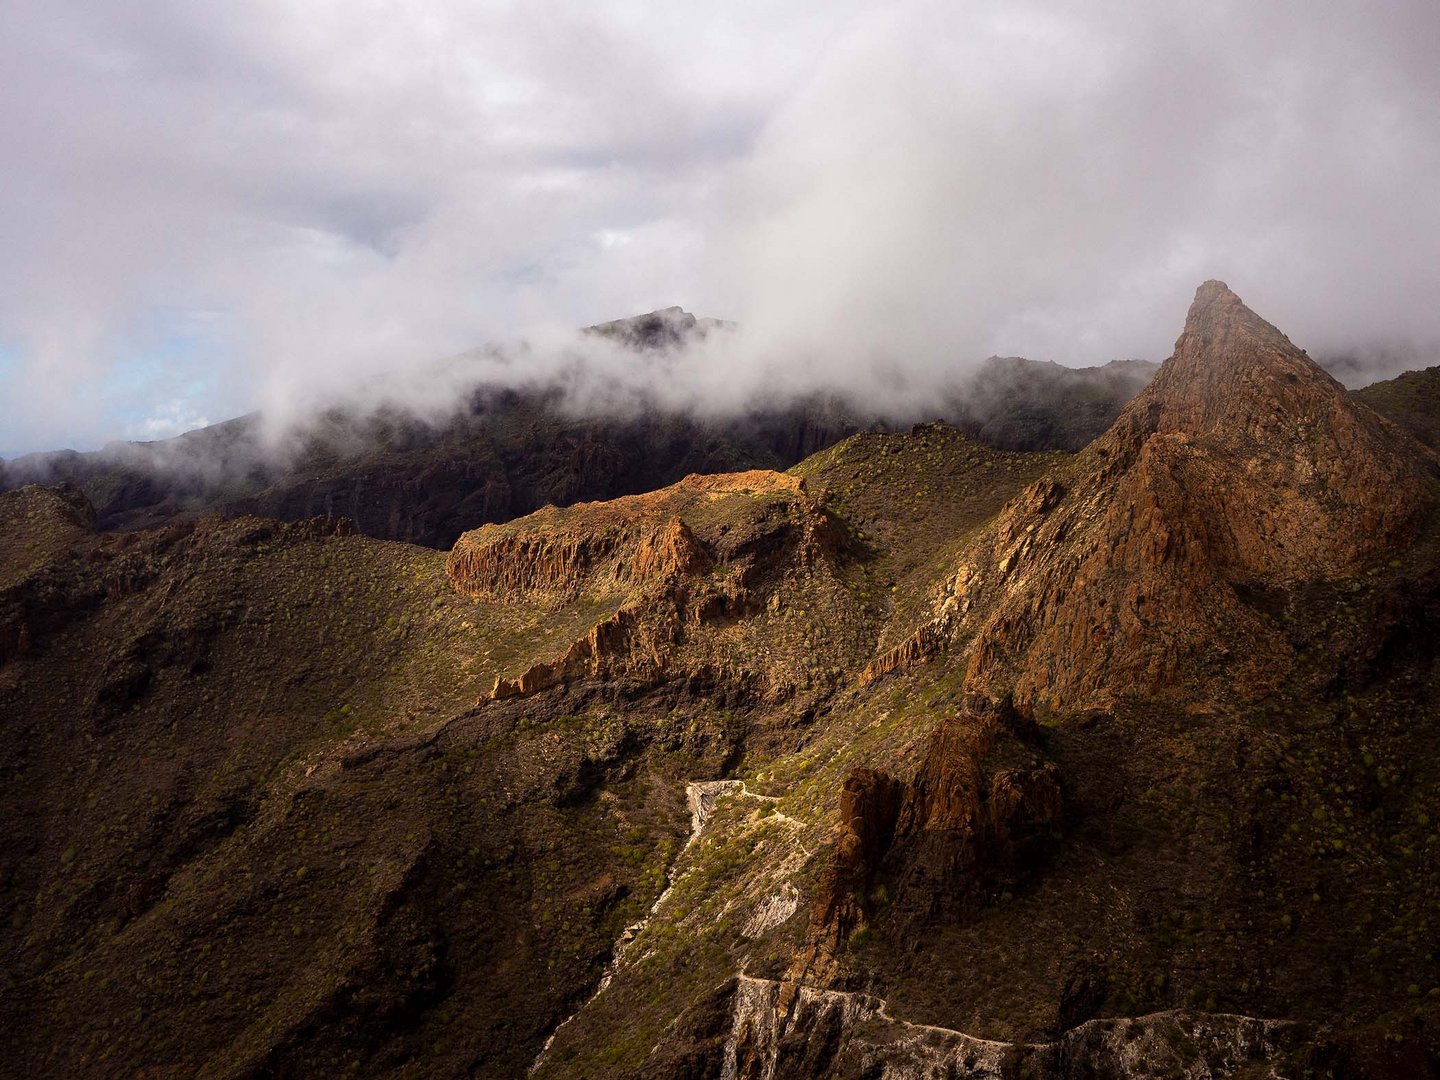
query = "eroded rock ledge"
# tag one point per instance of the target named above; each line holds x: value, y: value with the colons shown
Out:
x: 612, y: 547
x: 676, y: 567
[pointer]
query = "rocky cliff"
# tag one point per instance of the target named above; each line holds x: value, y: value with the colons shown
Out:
x: 1242, y: 469
x: 677, y: 573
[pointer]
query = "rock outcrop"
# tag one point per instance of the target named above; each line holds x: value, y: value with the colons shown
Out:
x: 675, y: 566
x: 778, y: 1031
x: 870, y: 803
x: 611, y: 547
x: 1242, y: 467
x: 979, y: 809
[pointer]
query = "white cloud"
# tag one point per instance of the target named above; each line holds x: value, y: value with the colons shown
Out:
x: 171, y: 418
x: 878, y: 192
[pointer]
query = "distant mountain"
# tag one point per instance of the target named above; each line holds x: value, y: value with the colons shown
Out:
x: 1412, y: 400
x: 505, y: 452
x: 1016, y: 404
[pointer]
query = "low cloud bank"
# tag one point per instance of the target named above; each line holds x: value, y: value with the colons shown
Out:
x: 283, y: 206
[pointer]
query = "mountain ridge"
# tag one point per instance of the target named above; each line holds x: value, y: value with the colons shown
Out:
x: 440, y: 805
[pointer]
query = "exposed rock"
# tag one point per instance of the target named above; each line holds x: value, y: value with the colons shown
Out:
x: 799, y: 1033
x: 966, y: 825
x: 701, y: 796
x: 614, y: 644
x: 962, y: 825
x: 869, y: 806
x: 680, y: 562
x: 921, y: 645
x: 606, y: 548
x: 1243, y: 465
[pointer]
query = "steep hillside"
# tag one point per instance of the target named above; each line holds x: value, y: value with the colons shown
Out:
x: 920, y: 759
x: 1412, y: 400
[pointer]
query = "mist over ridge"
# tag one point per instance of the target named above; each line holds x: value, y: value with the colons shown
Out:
x: 273, y: 208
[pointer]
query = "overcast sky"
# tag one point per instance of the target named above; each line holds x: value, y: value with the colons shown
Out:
x: 205, y: 208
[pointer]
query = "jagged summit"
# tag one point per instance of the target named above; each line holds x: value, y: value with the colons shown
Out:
x: 1297, y: 477
x: 1242, y: 466
x: 1232, y: 369
x: 664, y: 328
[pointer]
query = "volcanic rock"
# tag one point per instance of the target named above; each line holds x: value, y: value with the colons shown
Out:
x: 674, y: 565
x: 1243, y: 466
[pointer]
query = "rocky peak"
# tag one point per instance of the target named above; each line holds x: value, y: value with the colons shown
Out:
x: 1242, y: 465
x: 1234, y: 375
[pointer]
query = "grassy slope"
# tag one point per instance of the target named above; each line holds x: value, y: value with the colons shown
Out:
x: 1282, y: 862
x: 282, y: 883
x: 1412, y: 400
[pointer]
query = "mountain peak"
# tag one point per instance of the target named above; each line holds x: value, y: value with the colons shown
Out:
x: 1217, y: 315
x: 1242, y: 464
x: 1214, y: 291
x: 1234, y: 375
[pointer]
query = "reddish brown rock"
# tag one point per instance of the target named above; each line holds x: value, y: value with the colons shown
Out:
x: 682, y: 566
x: 965, y: 823
x: 619, y: 645
x: 557, y: 553
x: 1243, y: 464
x: 921, y: 645
x: 869, y: 806
x: 959, y: 829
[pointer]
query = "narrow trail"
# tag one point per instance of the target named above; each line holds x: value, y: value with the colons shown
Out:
x: 702, y: 796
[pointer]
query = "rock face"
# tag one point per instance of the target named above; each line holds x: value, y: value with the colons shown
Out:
x: 778, y: 1032
x: 869, y: 807
x: 609, y: 548
x: 979, y: 808
x: 1242, y: 467
x: 675, y: 567
x: 968, y: 823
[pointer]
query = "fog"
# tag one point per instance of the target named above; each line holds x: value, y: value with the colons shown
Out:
x: 277, y: 205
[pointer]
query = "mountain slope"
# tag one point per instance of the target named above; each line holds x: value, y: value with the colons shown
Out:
x: 874, y: 768
x: 1412, y: 400
x: 1243, y: 833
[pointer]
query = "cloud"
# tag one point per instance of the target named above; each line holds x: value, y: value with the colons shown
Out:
x: 1054, y: 180
x: 881, y: 194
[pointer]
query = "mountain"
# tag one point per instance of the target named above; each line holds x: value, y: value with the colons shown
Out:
x: 1412, y: 400
x: 918, y: 758
x: 1016, y: 404
x: 505, y: 452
